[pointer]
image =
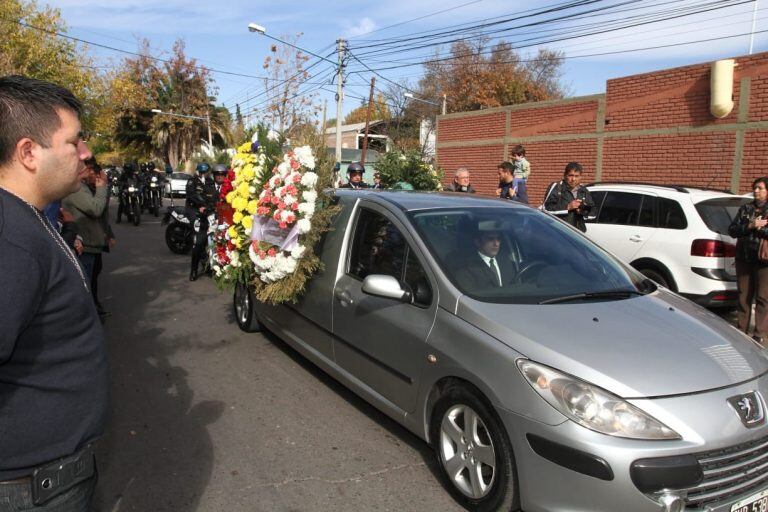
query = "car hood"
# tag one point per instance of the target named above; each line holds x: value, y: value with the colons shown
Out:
x: 650, y: 346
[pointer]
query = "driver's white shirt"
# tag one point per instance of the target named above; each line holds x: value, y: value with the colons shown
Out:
x: 487, y: 260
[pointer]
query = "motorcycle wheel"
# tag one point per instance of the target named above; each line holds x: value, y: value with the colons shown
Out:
x: 136, y: 214
x: 178, y: 238
x: 156, y: 207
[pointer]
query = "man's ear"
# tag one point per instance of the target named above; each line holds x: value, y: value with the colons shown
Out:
x: 27, y: 153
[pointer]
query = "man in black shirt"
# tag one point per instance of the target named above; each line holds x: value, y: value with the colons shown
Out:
x: 53, y: 370
x: 569, y: 199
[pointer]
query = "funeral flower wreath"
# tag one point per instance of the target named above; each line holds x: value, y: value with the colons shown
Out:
x: 270, y: 222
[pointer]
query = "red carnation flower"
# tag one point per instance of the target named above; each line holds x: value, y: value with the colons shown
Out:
x: 283, y: 225
x: 295, y: 206
x: 272, y: 251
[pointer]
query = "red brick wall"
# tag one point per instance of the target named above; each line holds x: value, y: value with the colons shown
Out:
x: 698, y: 159
x: 693, y: 147
x: 473, y: 127
x: 755, y: 160
x: 556, y: 119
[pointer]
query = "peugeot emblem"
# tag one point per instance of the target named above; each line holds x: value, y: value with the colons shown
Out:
x: 749, y: 407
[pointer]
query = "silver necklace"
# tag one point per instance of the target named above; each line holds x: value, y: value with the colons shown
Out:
x: 56, y: 236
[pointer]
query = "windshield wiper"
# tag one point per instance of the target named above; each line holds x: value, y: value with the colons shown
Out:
x: 608, y: 294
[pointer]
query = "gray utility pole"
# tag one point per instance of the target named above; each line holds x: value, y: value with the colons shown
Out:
x: 367, y: 121
x: 339, y: 95
x: 325, y: 109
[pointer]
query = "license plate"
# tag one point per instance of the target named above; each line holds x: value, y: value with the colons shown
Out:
x: 755, y: 503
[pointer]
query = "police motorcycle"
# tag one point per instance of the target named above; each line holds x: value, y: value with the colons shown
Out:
x: 154, y: 190
x: 184, y: 224
x: 113, y: 177
x: 129, y: 196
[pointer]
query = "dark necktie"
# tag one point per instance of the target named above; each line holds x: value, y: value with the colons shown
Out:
x: 495, y: 271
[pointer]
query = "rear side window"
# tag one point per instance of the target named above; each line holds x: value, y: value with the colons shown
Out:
x: 718, y: 213
x: 620, y: 208
x: 597, y: 198
x: 648, y: 212
x: 671, y: 215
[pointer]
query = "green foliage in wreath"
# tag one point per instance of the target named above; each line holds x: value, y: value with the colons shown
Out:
x: 397, y: 167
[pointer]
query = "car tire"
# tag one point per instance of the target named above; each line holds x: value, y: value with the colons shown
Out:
x: 244, y: 308
x: 479, y: 485
x: 658, y: 277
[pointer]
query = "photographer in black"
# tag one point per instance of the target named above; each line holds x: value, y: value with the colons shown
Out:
x: 569, y: 199
x: 201, y: 198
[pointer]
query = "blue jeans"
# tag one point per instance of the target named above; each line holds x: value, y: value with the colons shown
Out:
x: 88, y: 261
x: 17, y: 497
x: 522, y: 189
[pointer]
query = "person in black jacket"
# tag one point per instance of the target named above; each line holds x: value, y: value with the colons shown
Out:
x: 201, y: 198
x: 569, y: 199
x: 749, y: 228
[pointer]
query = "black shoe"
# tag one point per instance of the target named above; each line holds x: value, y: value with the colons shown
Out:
x: 758, y: 340
x: 193, y: 275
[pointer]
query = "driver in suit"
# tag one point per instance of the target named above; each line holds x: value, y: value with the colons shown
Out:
x: 482, y: 269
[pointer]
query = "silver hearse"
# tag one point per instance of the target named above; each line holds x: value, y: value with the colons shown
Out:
x: 546, y: 374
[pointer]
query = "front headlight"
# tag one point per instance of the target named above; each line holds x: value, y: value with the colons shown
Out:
x: 154, y: 179
x: 153, y: 185
x: 591, y: 406
x: 131, y: 189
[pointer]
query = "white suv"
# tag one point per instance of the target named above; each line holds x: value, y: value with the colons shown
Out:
x: 675, y: 235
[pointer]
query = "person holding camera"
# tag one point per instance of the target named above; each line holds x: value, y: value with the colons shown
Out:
x: 569, y: 199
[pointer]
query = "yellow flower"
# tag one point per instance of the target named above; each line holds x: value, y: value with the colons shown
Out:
x: 237, y: 217
x: 230, y: 197
x: 240, y: 203
x: 253, y: 206
x: 242, y: 190
x: 247, y: 222
x: 245, y: 148
x: 237, y: 242
x: 232, y: 233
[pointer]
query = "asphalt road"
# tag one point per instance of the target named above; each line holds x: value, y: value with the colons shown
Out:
x: 208, y: 418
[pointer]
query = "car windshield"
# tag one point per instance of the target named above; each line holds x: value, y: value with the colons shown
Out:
x: 718, y: 213
x: 521, y: 256
x: 180, y: 176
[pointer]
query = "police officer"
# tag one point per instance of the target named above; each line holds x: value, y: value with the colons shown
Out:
x: 219, y: 175
x: 355, y: 172
x: 127, y: 178
x: 201, y: 198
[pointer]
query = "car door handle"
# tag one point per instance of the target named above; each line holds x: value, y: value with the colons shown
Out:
x: 635, y: 238
x: 344, y: 297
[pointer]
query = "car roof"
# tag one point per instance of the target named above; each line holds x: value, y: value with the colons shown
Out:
x: 411, y: 201
x: 696, y: 194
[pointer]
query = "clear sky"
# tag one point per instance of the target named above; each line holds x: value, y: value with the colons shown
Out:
x: 216, y: 34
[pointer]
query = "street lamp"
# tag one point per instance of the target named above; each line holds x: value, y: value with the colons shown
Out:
x: 259, y: 29
x: 445, y: 98
x: 207, y: 120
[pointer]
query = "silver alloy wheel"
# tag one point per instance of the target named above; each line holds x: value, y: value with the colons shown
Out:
x: 466, y: 451
x: 242, y: 304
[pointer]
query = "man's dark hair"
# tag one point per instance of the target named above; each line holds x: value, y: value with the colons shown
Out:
x: 518, y: 150
x: 572, y: 166
x: 763, y: 180
x: 28, y: 109
x: 506, y: 166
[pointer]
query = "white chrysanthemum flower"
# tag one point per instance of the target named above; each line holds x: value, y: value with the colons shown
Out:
x: 298, y: 251
x: 285, y: 215
x: 252, y: 190
x: 289, y: 199
x: 303, y: 225
x: 284, y: 168
x: 309, y: 179
x: 304, y: 156
x: 273, y: 135
x: 306, y: 208
x: 309, y: 196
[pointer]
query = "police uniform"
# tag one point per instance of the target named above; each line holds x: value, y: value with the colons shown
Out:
x: 201, y: 193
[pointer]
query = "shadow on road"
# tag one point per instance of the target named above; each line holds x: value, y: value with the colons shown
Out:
x: 157, y: 454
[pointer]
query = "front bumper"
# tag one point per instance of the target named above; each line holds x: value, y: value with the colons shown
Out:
x: 578, y: 483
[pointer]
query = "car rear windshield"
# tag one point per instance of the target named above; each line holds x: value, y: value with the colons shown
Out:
x: 718, y: 213
x: 537, y: 257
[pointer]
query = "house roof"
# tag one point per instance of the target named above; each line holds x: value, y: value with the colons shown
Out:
x: 355, y: 127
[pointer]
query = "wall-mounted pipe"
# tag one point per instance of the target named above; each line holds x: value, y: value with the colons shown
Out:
x: 721, y: 88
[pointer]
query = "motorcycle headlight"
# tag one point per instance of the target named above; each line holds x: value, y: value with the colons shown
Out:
x: 131, y: 189
x: 153, y: 185
x: 154, y: 179
x: 592, y: 407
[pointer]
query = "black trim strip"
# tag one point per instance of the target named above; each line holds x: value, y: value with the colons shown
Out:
x: 571, y: 458
x: 357, y: 350
x: 676, y: 472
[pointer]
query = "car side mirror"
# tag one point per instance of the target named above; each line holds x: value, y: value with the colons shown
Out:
x: 385, y: 286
